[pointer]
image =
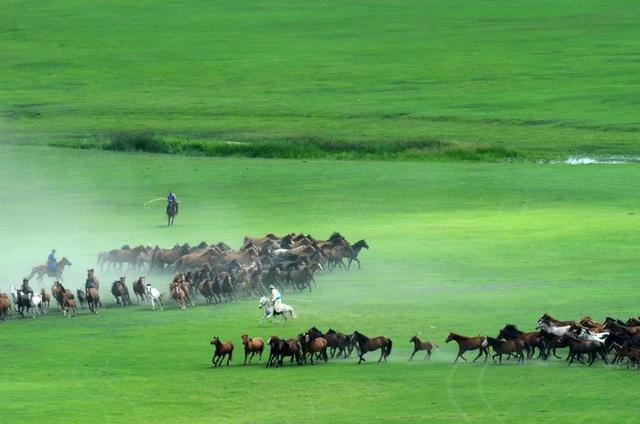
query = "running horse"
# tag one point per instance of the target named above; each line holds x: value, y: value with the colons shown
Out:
x: 469, y: 343
x: 366, y: 344
x: 42, y: 270
x: 172, y: 211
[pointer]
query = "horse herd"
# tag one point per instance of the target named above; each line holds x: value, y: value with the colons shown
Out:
x: 221, y: 274
x: 307, y: 347
x: 214, y: 271
x: 587, y: 340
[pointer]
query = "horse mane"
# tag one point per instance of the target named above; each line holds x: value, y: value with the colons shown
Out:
x: 357, y: 333
x: 458, y: 335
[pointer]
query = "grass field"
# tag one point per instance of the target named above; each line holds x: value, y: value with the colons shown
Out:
x: 480, y: 235
x: 481, y: 80
x: 464, y: 247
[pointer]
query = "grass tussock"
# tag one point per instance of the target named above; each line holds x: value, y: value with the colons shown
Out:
x: 294, y: 148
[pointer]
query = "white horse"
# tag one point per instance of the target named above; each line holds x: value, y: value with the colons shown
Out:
x: 35, y: 301
x: 586, y: 334
x: 553, y: 329
x: 270, y: 311
x: 154, y: 297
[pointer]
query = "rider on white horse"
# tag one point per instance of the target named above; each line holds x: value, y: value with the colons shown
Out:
x: 276, y: 299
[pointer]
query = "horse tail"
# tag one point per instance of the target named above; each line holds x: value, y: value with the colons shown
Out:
x: 231, y: 354
x: 388, y: 350
x: 436, y: 346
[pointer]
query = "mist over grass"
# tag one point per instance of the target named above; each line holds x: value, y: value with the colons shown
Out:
x: 460, y: 247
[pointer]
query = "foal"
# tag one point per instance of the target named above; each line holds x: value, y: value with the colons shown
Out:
x: 252, y: 346
x: 469, y: 343
x: 222, y: 350
x: 418, y: 346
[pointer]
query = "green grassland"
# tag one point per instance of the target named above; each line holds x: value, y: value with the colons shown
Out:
x: 480, y: 80
x: 464, y: 247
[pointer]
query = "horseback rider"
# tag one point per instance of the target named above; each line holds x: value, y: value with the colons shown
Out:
x: 51, y: 261
x: 276, y: 298
x: 171, y: 199
x: 90, y: 283
x: 26, y: 290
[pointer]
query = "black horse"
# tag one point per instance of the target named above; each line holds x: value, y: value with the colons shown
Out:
x: 23, y: 302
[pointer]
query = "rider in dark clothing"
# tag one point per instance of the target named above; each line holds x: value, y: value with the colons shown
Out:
x: 51, y: 261
x: 171, y: 198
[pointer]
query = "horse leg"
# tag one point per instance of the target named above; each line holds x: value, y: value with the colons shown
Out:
x: 428, y: 355
x: 411, y: 357
x: 381, y: 354
x: 480, y: 354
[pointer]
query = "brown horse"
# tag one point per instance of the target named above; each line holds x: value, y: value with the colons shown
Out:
x: 506, y: 347
x: 366, y: 344
x: 179, y: 294
x: 92, y: 278
x: 532, y: 340
x: 418, y: 346
x: 5, y: 306
x: 279, y: 349
x: 69, y: 305
x: 120, y: 292
x: 139, y: 289
x: 578, y: 347
x: 222, y: 350
x: 469, y: 343
x: 57, y: 291
x: 549, y: 319
x: 311, y: 346
x: 335, y: 341
x: 46, y: 299
x: 42, y: 270
x: 93, y: 299
x: 252, y: 346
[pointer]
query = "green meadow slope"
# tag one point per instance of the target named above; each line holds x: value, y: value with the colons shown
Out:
x: 410, y: 80
x: 463, y: 247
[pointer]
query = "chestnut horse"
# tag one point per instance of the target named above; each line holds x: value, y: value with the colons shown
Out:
x: 418, y: 346
x: 93, y: 299
x: 46, y: 299
x: 5, y: 305
x: 69, y: 305
x: 222, y: 350
x: 311, y: 346
x: 366, y: 344
x: 469, y: 343
x: 252, y: 346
